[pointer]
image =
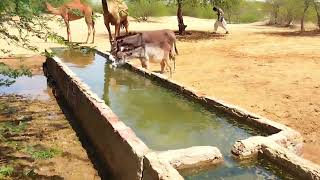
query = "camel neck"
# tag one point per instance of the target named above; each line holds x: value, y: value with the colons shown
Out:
x: 105, y: 5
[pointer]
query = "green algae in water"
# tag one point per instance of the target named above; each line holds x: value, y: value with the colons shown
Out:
x: 165, y: 120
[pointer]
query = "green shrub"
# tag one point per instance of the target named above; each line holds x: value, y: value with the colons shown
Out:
x: 6, y: 171
x: 145, y: 8
x: 198, y: 11
x: 42, y: 153
x: 251, y: 12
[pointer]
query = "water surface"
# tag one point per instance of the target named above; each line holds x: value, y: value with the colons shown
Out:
x: 34, y: 87
x: 164, y: 119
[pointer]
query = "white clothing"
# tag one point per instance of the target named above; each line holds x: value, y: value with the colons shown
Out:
x: 222, y: 24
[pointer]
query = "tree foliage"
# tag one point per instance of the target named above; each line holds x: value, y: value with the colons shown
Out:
x: 8, y: 75
x: 19, y: 21
x: 22, y: 19
x: 287, y: 12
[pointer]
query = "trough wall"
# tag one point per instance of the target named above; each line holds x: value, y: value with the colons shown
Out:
x: 129, y: 158
x: 279, y: 135
x: 117, y: 144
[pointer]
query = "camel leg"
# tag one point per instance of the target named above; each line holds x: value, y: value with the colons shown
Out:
x: 89, y: 32
x: 94, y: 32
x: 109, y: 31
x: 126, y: 24
x: 68, y: 30
x: 117, y: 30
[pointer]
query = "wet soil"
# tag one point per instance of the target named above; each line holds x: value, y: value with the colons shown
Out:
x: 38, y: 142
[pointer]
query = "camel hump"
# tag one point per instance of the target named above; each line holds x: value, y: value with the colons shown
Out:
x: 118, y: 6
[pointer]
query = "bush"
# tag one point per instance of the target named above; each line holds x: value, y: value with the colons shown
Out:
x: 145, y: 8
x: 246, y: 12
x: 251, y: 12
x: 198, y: 11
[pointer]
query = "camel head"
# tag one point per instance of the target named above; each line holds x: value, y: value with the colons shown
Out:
x: 51, y: 9
x: 48, y: 6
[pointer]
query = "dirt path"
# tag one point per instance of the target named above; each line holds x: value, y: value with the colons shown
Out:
x: 268, y: 70
x: 36, y: 139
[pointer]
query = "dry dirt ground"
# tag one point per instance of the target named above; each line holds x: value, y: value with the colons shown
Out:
x: 272, y: 71
x: 36, y: 139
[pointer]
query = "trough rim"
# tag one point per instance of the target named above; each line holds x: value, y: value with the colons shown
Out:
x: 137, y: 145
x: 288, y: 140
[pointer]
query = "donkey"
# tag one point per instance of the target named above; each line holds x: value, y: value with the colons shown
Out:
x: 163, y: 39
x: 149, y: 52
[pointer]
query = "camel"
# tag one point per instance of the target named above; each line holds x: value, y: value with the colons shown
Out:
x: 115, y: 13
x: 65, y: 11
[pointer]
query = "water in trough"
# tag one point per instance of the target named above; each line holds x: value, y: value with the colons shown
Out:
x: 165, y: 120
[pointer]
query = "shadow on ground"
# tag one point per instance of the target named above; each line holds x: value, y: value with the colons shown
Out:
x: 17, y: 135
x: 32, y: 142
x: 93, y: 155
x: 292, y: 33
x: 198, y: 35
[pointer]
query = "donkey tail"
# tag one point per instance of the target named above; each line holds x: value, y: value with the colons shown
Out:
x: 175, y: 48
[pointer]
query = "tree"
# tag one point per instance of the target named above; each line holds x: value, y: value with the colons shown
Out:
x: 316, y: 4
x: 181, y: 25
x: 230, y: 7
x: 20, y: 20
x: 273, y: 7
x: 11, y: 74
x: 306, y: 7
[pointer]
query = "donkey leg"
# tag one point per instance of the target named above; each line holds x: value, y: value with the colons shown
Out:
x: 166, y: 60
x: 162, y: 64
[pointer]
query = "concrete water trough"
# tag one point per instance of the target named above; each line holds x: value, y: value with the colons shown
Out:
x: 141, y: 130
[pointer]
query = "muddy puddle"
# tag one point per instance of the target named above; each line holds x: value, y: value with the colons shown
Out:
x: 165, y: 120
x: 36, y: 139
x: 34, y: 87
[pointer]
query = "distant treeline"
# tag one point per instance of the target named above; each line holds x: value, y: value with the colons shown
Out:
x: 236, y: 11
x: 281, y: 12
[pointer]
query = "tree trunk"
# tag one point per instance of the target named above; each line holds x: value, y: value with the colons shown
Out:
x: 317, y: 10
x: 306, y: 7
x: 181, y: 25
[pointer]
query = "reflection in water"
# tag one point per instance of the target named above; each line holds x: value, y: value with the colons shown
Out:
x: 165, y: 120
x: 34, y: 87
x: 81, y: 57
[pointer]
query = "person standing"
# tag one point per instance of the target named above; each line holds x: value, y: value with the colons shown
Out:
x: 220, y: 21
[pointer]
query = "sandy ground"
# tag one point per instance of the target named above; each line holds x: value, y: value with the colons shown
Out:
x: 267, y: 70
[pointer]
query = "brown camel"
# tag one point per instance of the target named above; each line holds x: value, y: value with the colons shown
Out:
x: 115, y: 12
x: 65, y: 11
